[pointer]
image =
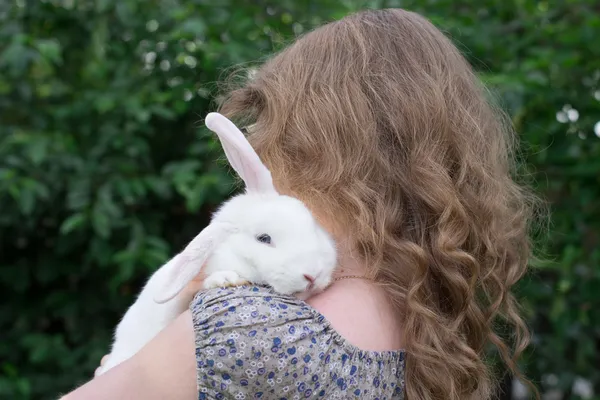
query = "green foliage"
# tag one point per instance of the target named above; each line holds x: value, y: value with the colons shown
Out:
x: 105, y: 170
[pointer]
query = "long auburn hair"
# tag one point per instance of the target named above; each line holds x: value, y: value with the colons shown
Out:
x: 377, y: 120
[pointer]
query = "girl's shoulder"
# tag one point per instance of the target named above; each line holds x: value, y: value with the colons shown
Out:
x: 256, y: 303
x: 250, y: 339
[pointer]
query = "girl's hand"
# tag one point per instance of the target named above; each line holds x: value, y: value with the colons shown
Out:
x: 102, y: 361
x: 186, y: 295
x: 142, y: 377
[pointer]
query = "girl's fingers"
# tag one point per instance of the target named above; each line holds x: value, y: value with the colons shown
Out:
x: 102, y: 361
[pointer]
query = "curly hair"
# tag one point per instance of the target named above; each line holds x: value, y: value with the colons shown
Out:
x: 378, y: 120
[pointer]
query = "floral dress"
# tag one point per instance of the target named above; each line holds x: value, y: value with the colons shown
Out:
x: 252, y: 343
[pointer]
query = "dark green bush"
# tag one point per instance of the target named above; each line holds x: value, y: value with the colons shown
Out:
x: 105, y: 170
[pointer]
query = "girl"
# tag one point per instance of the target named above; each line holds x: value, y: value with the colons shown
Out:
x: 380, y: 126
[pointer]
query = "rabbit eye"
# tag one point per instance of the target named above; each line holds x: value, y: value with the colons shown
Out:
x: 264, y: 238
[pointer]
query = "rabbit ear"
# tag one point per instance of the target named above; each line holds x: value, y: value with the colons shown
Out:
x: 240, y: 154
x: 185, y: 266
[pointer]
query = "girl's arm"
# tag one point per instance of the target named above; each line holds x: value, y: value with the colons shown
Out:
x: 164, y: 369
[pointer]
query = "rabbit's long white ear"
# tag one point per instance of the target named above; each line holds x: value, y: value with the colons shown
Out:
x: 240, y: 154
x: 185, y: 266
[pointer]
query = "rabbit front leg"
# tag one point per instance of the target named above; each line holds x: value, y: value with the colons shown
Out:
x: 225, y: 268
x: 224, y: 279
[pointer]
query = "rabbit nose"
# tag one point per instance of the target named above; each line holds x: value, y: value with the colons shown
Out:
x: 310, y: 279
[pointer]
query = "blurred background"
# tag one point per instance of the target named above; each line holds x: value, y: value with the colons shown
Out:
x: 106, y: 170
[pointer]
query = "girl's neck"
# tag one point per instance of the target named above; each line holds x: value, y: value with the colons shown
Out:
x: 359, y: 309
x: 349, y: 263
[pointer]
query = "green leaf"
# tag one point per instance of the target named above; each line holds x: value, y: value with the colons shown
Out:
x: 15, y: 54
x: 49, y: 49
x: 101, y: 222
x: 163, y: 112
x: 104, y: 5
x: 195, y: 197
x: 27, y: 201
x: 37, y: 150
x: 72, y: 223
x: 158, y: 186
x: 79, y: 196
x: 105, y: 103
x: 193, y: 26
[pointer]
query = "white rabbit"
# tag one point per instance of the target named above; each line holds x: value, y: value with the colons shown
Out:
x: 259, y: 236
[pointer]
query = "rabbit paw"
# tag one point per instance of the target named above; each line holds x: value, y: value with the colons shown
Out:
x: 224, y: 279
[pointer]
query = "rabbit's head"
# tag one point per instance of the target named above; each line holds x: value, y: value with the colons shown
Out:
x: 281, y: 242
x: 276, y: 235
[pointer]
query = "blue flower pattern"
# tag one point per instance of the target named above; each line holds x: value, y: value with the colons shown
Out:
x: 252, y: 343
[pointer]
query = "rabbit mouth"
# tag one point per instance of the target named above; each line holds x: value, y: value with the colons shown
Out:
x: 311, y: 282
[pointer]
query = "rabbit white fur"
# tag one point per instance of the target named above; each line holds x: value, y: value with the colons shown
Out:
x: 259, y: 236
